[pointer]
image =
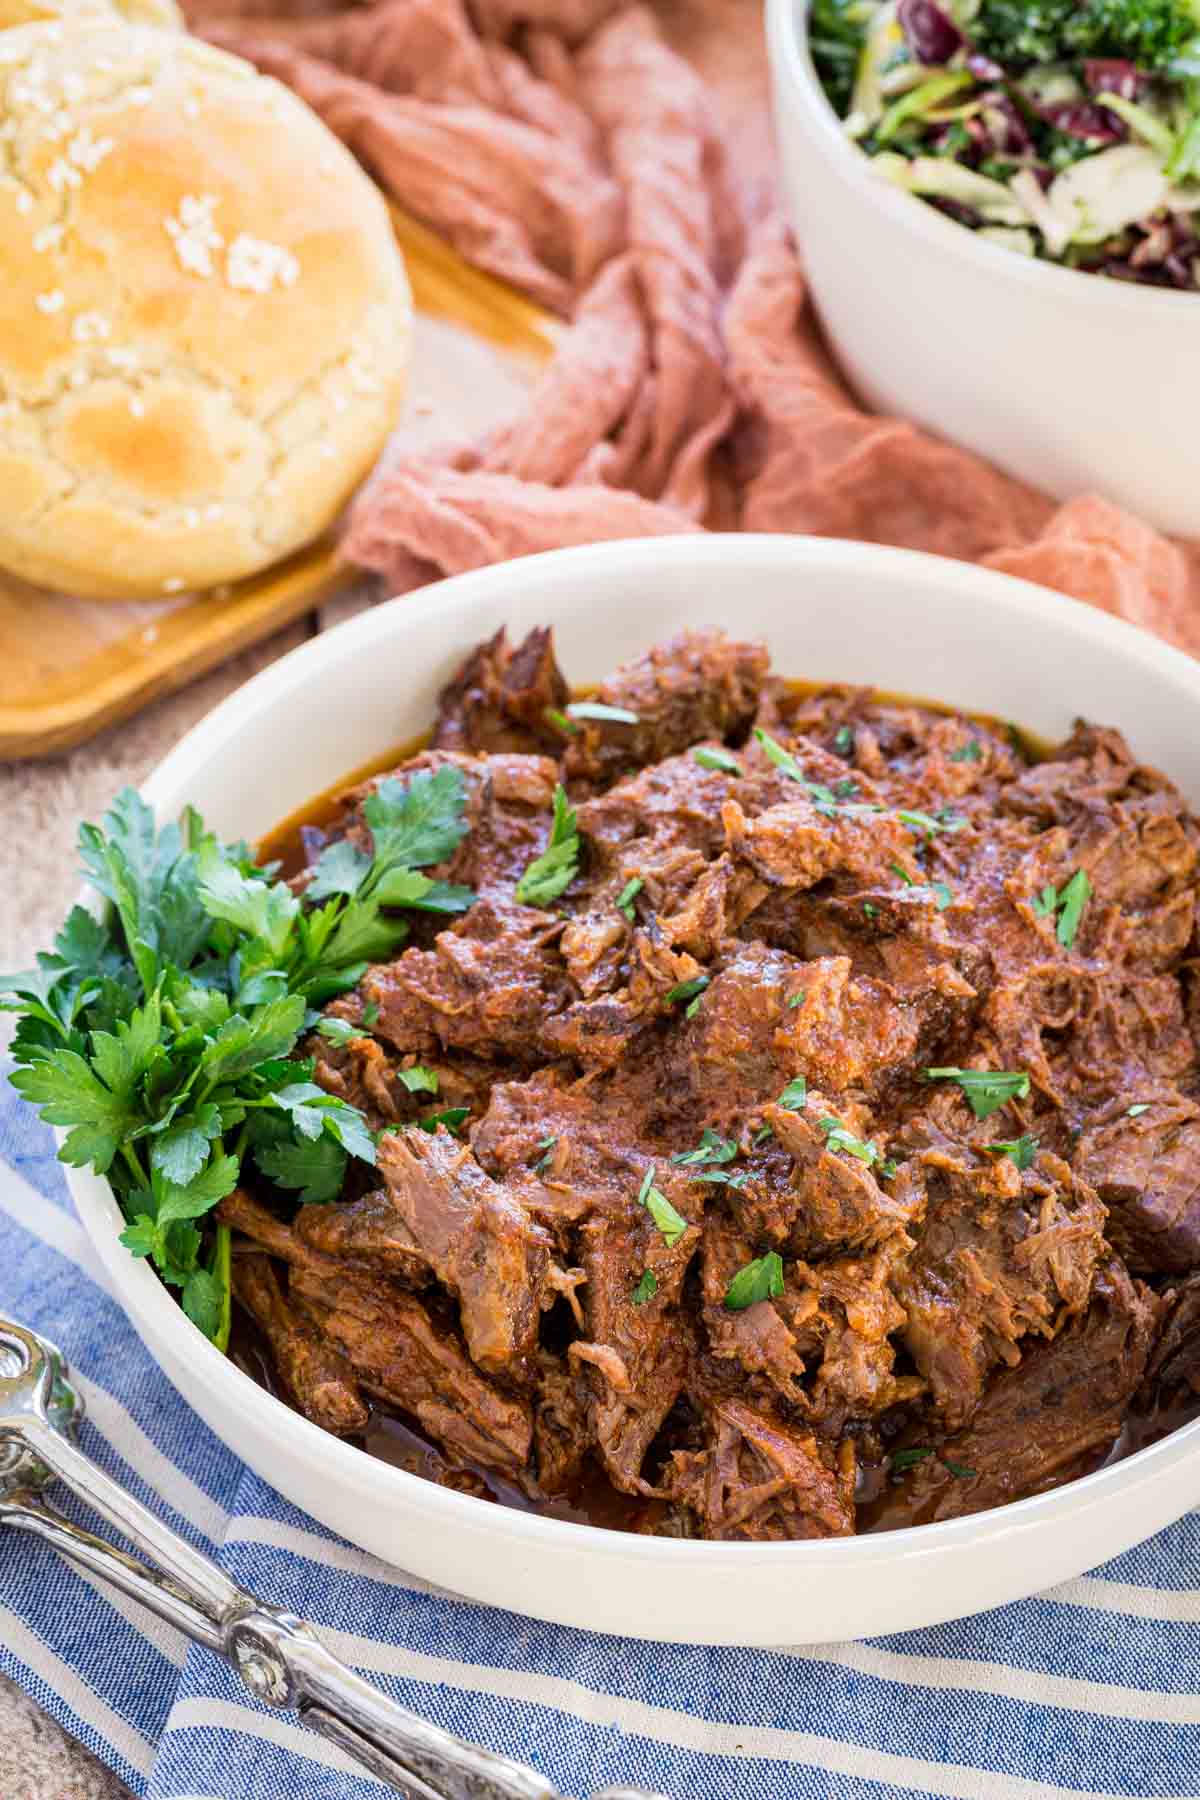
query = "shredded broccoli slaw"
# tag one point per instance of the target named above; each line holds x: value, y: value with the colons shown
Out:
x: 1061, y: 129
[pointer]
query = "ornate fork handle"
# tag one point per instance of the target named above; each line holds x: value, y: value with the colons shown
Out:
x: 278, y: 1656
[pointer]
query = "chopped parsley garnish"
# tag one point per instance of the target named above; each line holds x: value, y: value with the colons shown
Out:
x: 845, y: 790
x: 687, y: 990
x: 1023, y: 1150
x: 734, y: 1178
x: 889, y: 1168
x: 692, y: 1007
x: 761, y: 1279
x: 870, y: 908
x: 835, y: 802
x: 799, y: 997
x: 986, y: 1089
x: 646, y: 1288
x: 1068, y: 902
x: 930, y: 823
x: 1135, y: 1112
x: 823, y: 797
x: 843, y: 741
x: 549, y: 874
x: 560, y: 719
x: 838, y: 1138
x: 937, y: 891
x: 671, y: 1224
x: 546, y: 1145
x: 418, y: 1079
x: 451, y: 1118
x: 908, y: 1459
x: 716, y: 759
x: 794, y: 1095
x: 628, y: 895
x: 370, y: 1016
x: 761, y: 1136
x: 605, y: 715
x: 161, y: 1035
x: 971, y: 751
x: 339, y: 1031
x: 712, y: 1148
x: 958, y: 1470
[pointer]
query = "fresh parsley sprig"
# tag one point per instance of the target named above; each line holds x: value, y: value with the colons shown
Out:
x: 160, y: 1036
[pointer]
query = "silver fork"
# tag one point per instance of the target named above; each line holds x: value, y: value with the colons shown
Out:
x: 281, y: 1659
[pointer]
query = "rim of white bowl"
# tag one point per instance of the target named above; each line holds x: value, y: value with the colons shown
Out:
x: 787, y: 41
x: 235, y: 716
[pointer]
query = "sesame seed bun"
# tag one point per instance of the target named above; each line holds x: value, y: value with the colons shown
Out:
x: 79, y: 12
x: 204, y: 318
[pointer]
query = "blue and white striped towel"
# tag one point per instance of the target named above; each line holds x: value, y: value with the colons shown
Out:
x: 1092, y: 1690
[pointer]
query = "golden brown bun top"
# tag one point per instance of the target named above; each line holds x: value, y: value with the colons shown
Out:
x: 201, y: 303
x: 76, y: 12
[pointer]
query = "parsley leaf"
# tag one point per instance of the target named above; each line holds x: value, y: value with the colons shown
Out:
x: 708, y: 758
x: 687, y: 990
x: 547, y: 1146
x: 908, y: 1459
x: 958, y: 1470
x: 340, y: 1031
x: 560, y: 721
x: 628, y: 895
x: 419, y: 823
x: 712, y: 1148
x: 596, y: 709
x: 843, y: 741
x: 317, y: 1167
x: 986, y: 1089
x: 1071, y: 901
x: 1068, y: 902
x: 551, y: 873
x: 418, y: 1079
x: 794, y: 1094
x: 1023, y: 1150
x: 971, y: 751
x: 761, y: 1279
x: 838, y: 1138
x: 67, y: 1091
x: 670, y: 1223
x: 646, y: 1288
x: 452, y: 1117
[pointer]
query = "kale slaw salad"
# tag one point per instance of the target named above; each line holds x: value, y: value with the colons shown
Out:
x: 1067, y: 130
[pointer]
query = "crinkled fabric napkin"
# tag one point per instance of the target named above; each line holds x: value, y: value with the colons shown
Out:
x: 562, y: 145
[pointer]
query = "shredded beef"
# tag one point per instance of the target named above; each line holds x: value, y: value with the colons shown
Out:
x: 693, y: 1205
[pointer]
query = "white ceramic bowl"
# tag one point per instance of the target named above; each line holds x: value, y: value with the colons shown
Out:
x: 1072, y: 382
x: 828, y: 610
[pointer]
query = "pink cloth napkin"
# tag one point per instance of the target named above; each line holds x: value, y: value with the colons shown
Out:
x: 562, y: 145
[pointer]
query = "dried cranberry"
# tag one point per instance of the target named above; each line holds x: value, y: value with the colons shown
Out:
x: 932, y: 36
x: 1113, y: 75
x: 1081, y: 119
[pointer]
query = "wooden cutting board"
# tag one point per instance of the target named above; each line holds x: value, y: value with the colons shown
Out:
x: 70, y: 666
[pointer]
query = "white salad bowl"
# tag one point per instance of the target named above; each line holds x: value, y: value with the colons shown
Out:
x: 1075, y: 383
x: 828, y: 610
